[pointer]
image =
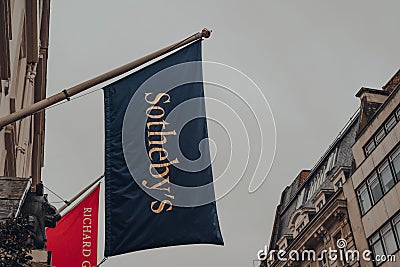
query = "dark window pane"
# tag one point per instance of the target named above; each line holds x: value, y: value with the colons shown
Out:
x: 375, y: 187
x: 374, y: 238
x: 390, y: 123
x: 395, y: 158
x: 398, y: 114
x: 396, y: 224
x: 380, y: 135
x: 389, y: 239
x: 386, y: 176
x: 363, y: 197
x: 377, y: 248
x: 369, y: 147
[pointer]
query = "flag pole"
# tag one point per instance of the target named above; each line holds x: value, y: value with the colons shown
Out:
x: 67, y: 93
x: 72, y: 200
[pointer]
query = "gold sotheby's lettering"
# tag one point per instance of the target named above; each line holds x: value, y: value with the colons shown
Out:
x: 158, y: 170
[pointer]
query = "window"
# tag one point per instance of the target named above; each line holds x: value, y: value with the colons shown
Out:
x: 314, y: 185
x: 331, y: 161
x: 375, y: 188
x: 323, y: 261
x: 383, y: 242
x: 335, y: 239
x: 395, y: 159
x: 321, y: 176
x: 320, y: 205
x: 380, y: 181
x: 398, y: 114
x: 282, y: 246
x: 339, y: 184
x: 364, y: 199
x: 376, y: 244
x: 380, y: 135
x: 369, y: 147
x: 389, y: 240
x: 307, y: 195
x: 386, y: 176
x: 396, y: 224
x: 301, y: 227
x: 300, y: 199
x: 391, y: 122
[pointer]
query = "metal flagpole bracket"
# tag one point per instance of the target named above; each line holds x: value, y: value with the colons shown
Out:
x: 67, y: 96
x: 72, y: 200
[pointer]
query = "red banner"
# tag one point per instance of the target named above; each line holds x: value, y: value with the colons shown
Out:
x: 73, y: 242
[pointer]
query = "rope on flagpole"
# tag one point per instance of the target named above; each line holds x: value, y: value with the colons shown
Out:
x: 58, y: 196
x: 102, y: 261
x: 72, y: 200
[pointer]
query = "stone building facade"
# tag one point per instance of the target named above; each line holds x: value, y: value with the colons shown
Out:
x: 24, y: 40
x: 373, y: 190
x: 350, y: 201
x: 312, y: 214
x: 24, y: 37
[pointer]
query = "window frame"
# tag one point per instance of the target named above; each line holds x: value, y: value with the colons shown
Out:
x: 396, y: 221
x: 339, y: 183
x: 392, y: 118
x: 397, y: 112
x: 380, y: 233
x: 320, y: 204
x: 372, y: 243
x: 301, y: 227
x: 369, y: 183
x: 392, y: 156
x: 379, y: 135
x: 362, y: 208
x: 383, y: 233
x: 379, y: 170
x: 369, y: 151
x: 386, y: 162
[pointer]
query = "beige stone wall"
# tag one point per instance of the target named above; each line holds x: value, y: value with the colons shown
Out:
x: 358, y: 151
x: 24, y: 28
x: 356, y: 224
x: 364, y: 226
x: 382, y: 211
x: 24, y: 23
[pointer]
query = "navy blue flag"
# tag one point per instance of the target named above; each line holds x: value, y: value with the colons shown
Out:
x: 158, y: 177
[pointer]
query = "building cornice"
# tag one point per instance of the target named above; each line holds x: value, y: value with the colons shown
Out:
x: 378, y: 111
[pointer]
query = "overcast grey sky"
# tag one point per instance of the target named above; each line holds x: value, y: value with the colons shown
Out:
x: 309, y: 58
